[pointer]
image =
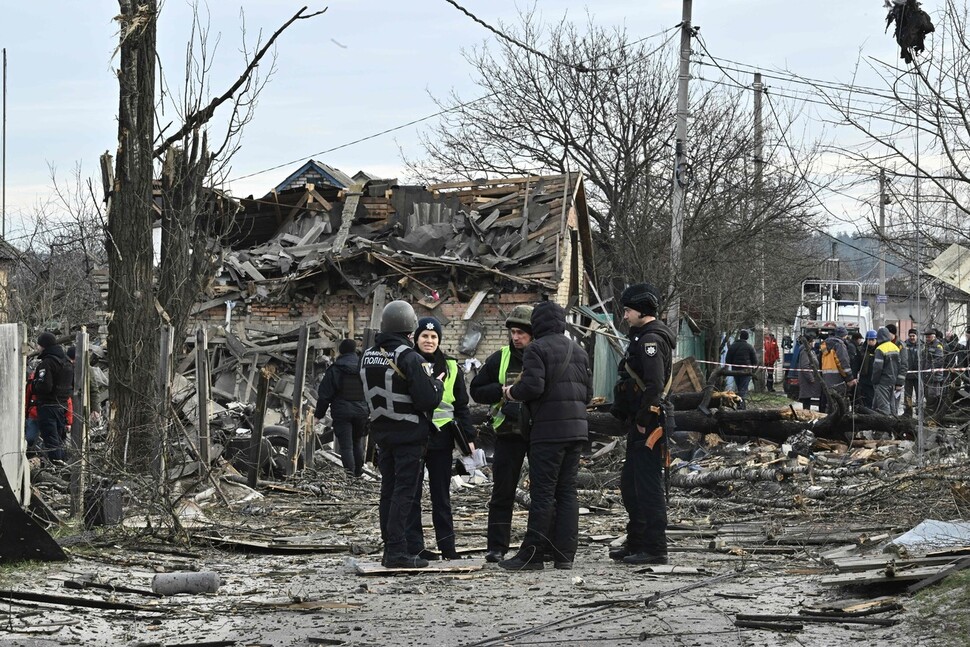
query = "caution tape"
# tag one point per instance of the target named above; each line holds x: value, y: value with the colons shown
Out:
x: 759, y: 367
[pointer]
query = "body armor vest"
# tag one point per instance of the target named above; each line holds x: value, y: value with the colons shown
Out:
x: 377, y: 378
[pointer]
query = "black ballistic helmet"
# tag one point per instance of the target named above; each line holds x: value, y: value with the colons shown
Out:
x: 399, y: 317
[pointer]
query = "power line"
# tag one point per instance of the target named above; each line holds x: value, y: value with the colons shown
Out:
x: 842, y: 109
x: 787, y: 75
x: 579, y: 67
x: 815, y: 193
x: 454, y: 108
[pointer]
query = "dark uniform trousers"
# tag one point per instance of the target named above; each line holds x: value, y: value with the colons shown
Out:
x: 351, y: 435
x: 51, y: 418
x: 439, y: 463
x: 510, y: 451
x: 642, y: 491
x: 554, y: 509
x: 401, y: 469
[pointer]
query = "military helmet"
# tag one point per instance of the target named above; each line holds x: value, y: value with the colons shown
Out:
x: 520, y: 317
x: 399, y: 317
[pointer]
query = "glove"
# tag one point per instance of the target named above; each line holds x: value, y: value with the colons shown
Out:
x: 512, y: 410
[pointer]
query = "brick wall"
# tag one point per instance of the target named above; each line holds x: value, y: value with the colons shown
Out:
x: 491, y: 314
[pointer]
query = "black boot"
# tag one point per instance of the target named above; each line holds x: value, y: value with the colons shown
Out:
x: 405, y: 561
x: 645, y: 558
x: 494, y: 556
x: 518, y: 563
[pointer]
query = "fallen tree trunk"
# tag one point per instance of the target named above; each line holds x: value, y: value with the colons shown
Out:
x: 772, y: 424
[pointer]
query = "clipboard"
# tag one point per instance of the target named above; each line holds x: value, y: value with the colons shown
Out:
x: 458, y: 437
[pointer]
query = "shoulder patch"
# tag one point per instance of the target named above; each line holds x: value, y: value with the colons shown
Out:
x: 428, y: 368
x: 650, y: 348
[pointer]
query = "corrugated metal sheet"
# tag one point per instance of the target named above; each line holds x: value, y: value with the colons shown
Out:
x: 606, y: 363
x: 952, y: 267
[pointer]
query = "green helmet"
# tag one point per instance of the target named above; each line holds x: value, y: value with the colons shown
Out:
x: 399, y: 317
x: 520, y: 317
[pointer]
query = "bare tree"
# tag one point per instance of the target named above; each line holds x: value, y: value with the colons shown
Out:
x: 917, y: 129
x: 539, y: 115
x: 187, y: 205
x: 603, y: 104
x: 53, y: 287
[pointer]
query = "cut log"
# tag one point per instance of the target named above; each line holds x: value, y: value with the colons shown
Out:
x: 772, y: 424
x: 778, y: 425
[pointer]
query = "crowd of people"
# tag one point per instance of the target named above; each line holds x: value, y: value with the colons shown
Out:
x: 881, y: 372
x: 412, y: 399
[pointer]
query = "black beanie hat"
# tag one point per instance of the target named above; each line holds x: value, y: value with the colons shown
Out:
x: 642, y: 297
x: 347, y: 346
x: 46, y: 340
x: 428, y: 323
x: 891, y: 328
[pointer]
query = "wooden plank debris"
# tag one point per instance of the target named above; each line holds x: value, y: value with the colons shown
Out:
x: 880, y: 576
x: 275, y: 547
x: 882, y: 622
x: 473, y: 304
x: 939, y: 577
x: 75, y: 601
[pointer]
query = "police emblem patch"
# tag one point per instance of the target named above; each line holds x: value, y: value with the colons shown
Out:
x: 428, y: 368
x: 650, y: 349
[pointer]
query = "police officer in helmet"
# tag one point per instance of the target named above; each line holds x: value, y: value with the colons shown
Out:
x: 401, y: 393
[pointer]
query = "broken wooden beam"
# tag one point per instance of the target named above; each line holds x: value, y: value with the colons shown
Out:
x: 62, y: 600
x: 881, y: 622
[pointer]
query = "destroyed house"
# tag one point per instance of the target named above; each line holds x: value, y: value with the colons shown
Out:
x: 464, y: 252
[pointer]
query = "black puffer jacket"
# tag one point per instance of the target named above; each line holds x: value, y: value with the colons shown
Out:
x: 341, y: 390
x: 53, y: 377
x: 555, y: 393
x: 741, y: 355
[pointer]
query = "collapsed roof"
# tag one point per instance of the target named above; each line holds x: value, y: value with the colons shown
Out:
x: 518, y: 233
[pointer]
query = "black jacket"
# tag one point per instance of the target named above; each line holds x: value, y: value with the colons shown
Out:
x: 463, y: 416
x: 341, y: 390
x: 486, y: 388
x: 741, y: 354
x: 556, y: 393
x: 418, y: 392
x: 862, y: 364
x: 53, y: 377
x: 650, y: 356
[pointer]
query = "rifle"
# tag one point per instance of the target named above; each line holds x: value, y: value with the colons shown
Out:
x: 668, y: 409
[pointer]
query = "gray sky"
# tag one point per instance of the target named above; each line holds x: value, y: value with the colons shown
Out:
x: 361, y: 68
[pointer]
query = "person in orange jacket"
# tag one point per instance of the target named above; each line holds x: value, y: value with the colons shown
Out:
x: 770, y: 358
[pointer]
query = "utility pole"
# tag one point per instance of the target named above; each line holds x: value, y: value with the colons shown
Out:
x: 681, y: 171
x: 883, y: 201
x: 759, y: 203
x: 3, y: 172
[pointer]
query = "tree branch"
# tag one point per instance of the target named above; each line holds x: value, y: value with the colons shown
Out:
x: 203, y: 115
